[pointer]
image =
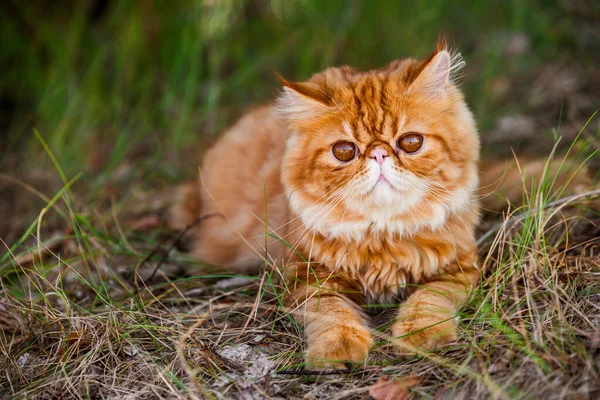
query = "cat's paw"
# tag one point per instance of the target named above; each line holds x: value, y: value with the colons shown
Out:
x: 337, y: 346
x: 422, y: 334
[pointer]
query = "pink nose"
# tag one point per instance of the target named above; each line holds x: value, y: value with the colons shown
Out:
x: 378, y: 154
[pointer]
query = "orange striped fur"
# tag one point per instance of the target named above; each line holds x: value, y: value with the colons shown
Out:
x: 388, y: 226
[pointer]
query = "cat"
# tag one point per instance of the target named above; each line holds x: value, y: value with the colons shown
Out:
x: 361, y: 188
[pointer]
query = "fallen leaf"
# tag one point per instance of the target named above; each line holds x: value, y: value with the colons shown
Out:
x: 397, y: 389
x: 47, y: 248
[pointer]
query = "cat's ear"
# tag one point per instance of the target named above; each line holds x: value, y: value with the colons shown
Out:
x: 302, y: 100
x: 437, y: 70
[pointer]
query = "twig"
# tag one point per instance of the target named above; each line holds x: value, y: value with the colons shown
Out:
x: 178, y: 238
x: 174, y: 243
x: 255, y: 306
x: 520, y: 217
x: 313, y: 373
x: 181, y: 355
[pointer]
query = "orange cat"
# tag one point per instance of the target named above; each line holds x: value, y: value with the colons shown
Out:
x: 370, y: 177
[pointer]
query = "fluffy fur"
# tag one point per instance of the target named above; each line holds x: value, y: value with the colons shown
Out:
x: 363, y: 231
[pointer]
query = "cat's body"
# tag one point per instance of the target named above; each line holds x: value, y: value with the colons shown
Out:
x: 381, y: 264
x: 241, y: 179
x: 370, y: 178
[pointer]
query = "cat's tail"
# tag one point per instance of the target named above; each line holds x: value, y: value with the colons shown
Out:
x: 187, y: 207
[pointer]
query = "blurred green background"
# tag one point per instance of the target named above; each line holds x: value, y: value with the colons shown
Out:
x: 136, y: 89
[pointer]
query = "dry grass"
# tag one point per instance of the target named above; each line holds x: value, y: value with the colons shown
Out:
x: 110, y: 308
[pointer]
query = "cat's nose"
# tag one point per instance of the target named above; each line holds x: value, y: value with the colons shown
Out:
x: 378, y: 154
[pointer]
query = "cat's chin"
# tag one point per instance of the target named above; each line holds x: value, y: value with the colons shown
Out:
x: 383, y: 193
x: 389, y: 196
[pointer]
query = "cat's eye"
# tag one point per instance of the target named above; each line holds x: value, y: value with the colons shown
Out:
x: 410, y: 142
x: 344, y: 151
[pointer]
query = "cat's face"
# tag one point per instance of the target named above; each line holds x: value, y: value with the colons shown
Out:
x: 391, y: 150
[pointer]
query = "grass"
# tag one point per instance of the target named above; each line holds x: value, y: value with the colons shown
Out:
x: 109, y: 108
x: 165, y: 76
x: 90, y: 321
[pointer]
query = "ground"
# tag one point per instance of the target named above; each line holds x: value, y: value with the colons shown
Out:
x: 106, y: 107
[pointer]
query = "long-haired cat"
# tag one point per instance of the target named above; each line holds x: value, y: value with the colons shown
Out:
x: 370, y: 178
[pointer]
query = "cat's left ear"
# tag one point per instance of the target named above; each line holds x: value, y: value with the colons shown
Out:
x: 302, y: 100
x: 436, y: 72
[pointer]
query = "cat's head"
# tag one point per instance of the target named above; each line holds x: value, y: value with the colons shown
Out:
x: 388, y: 150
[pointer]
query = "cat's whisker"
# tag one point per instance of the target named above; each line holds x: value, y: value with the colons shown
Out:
x: 320, y: 206
x: 427, y: 186
x: 448, y: 230
x: 473, y: 197
x: 325, y: 215
x: 445, y: 196
x: 317, y: 204
x: 334, y: 269
x: 451, y: 210
x: 308, y: 229
x: 341, y: 197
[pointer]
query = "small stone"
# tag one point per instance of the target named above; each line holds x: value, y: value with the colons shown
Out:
x: 22, y: 360
x: 258, y: 338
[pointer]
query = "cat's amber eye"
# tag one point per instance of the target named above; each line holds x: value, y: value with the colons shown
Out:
x: 410, y: 142
x: 344, y: 151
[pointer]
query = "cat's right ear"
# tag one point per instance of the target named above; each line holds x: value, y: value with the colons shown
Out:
x: 302, y: 100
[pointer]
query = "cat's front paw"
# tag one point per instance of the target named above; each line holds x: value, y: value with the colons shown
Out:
x: 424, y: 333
x: 339, y: 345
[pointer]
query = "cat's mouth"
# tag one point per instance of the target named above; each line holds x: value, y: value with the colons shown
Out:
x: 381, y: 182
x: 382, y: 179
